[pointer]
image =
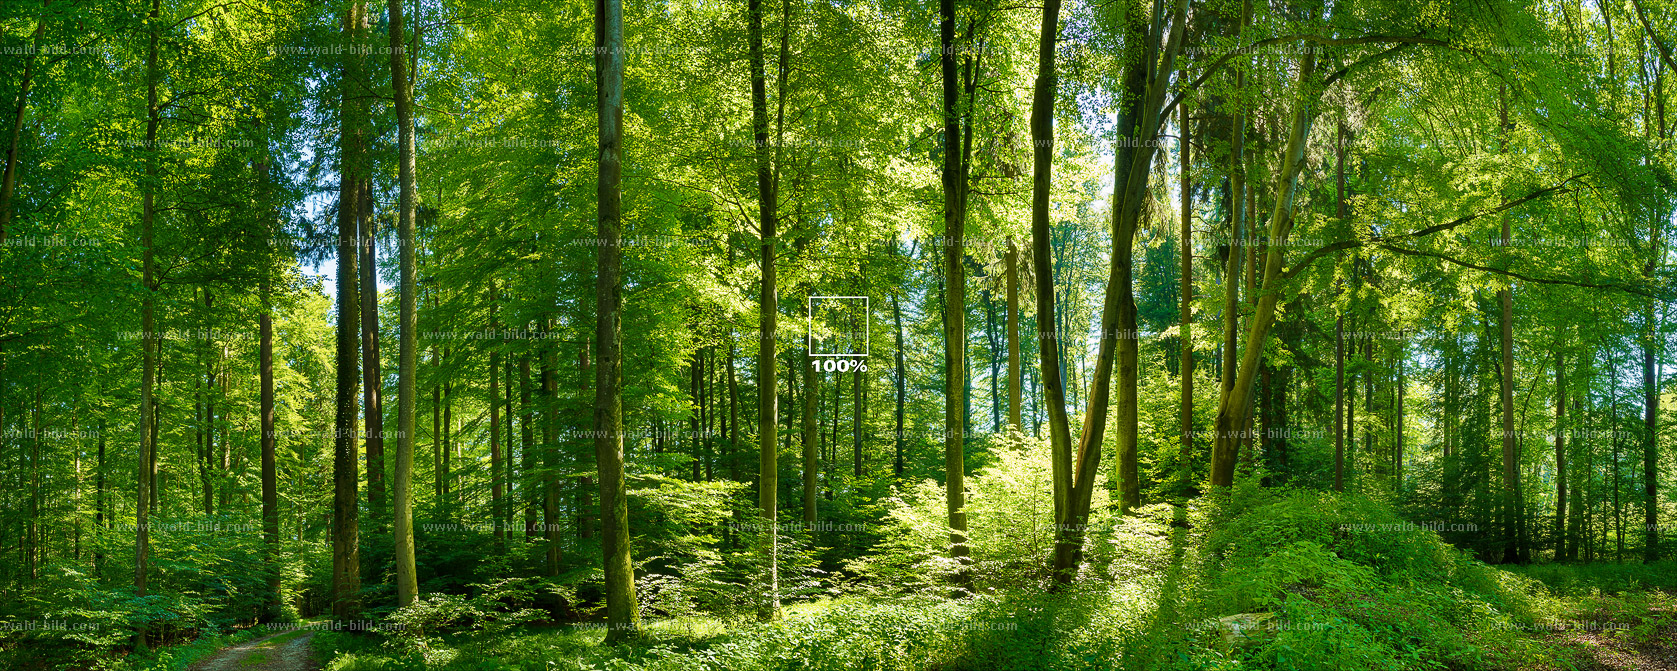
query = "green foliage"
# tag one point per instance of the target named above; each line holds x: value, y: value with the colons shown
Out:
x: 1345, y: 582
x: 1010, y: 521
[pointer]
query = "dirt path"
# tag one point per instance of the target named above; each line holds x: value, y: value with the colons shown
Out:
x: 1612, y: 651
x: 287, y: 651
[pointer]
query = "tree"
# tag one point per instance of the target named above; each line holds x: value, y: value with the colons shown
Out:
x: 768, y: 478
x: 622, y: 613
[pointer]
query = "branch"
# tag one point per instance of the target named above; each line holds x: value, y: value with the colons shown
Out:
x: 1538, y: 280
x: 1323, y: 41
x: 1343, y: 245
x: 1665, y: 51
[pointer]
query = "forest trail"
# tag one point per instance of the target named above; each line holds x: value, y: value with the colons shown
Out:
x: 1611, y: 652
x: 285, y: 651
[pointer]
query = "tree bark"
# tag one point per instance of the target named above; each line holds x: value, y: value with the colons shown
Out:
x: 1234, y: 405
x: 902, y: 384
x: 1185, y: 331
x: 1339, y: 404
x: 811, y: 441
x: 372, y: 376
x: 550, y: 453
x: 1013, y: 380
x: 1513, y: 495
x: 1560, y: 453
x: 622, y: 614
x: 346, y: 554
x: 954, y: 301
x: 148, y: 339
x: 768, y: 481
x: 531, y: 494
x: 1224, y: 443
x: 407, y: 585
x: 497, y: 461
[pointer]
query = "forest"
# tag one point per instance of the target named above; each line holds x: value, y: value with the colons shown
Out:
x: 897, y: 335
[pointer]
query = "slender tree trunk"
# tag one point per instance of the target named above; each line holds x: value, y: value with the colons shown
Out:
x: 1650, y: 414
x: 1042, y: 140
x: 1398, y: 466
x: 527, y: 453
x: 99, y: 502
x: 733, y: 410
x: 995, y: 362
x: 1560, y: 453
x: 550, y: 454
x: 902, y: 384
x: 265, y: 370
x: 622, y: 614
x: 1514, y: 551
x: 1225, y: 441
x: 372, y: 376
x: 1185, y: 454
x: 346, y: 564
x: 811, y: 440
x: 954, y: 301
x: 449, y: 499
x: 768, y: 482
x: 407, y: 585
x: 858, y: 384
x: 497, y: 461
x: 1013, y: 380
x: 1233, y: 407
x: 584, y: 490
x: 148, y: 339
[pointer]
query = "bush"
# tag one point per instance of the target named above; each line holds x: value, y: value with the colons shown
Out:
x: 1010, y: 522
x: 1344, y: 582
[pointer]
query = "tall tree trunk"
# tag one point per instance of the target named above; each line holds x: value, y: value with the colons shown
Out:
x: 99, y: 502
x: 811, y: 441
x: 1560, y: 453
x: 622, y: 614
x: 1651, y: 409
x: 585, y: 486
x: 407, y: 579
x: 768, y: 481
x: 346, y: 554
x: 206, y: 428
x: 550, y: 454
x: 372, y: 371
x: 954, y: 302
x: 497, y: 462
x: 1401, y: 388
x: 902, y: 384
x: 1513, y: 496
x: 733, y: 409
x: 995, y: 362
x: 148, y: 339
x: 528, y: 487
x: 449, y: 494
x: 1233, y: 407
x: 1185, y: 331
x: 1013, y: 380
x: 857, y: 389
x: 1225, y: 442
x: 1042, y: 140
x: 265, y: 366
x: 1139, y: 120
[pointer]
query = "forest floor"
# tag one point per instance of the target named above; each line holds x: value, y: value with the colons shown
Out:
x: 1607, y: 650
x: 1610, y: 653
x: 286, y: 651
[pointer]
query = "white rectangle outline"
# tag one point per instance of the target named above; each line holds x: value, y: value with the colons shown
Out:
x: 867, y: 331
